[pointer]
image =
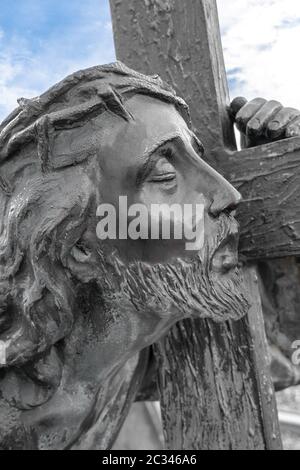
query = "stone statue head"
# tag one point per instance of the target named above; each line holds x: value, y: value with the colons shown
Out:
x: 76, y: 307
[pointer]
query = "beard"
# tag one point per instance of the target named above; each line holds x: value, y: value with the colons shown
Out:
x: 181, y: 288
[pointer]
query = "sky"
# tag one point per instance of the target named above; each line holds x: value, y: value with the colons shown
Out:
x: 41, y: 41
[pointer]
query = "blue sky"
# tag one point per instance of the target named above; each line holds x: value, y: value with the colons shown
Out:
x: 41, y: 41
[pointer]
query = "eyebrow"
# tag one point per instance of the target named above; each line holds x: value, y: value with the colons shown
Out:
x: 149, y: 151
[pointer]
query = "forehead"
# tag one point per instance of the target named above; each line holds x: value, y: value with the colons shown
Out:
x: 156, y: 117
x: 153, y: 121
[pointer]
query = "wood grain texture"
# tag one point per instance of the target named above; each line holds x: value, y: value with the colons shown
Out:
x: 207, y: 384
x: 211, y: 394
x: 261, y: 358
x: 268, y: 177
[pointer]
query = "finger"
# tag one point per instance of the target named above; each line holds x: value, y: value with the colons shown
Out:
x: 247, y: 112
x: 236, y: 105
x: 277, y: 126
x: 293, y: 129
x: 257, y: 124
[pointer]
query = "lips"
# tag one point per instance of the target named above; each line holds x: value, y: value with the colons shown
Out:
x: 225, y: 257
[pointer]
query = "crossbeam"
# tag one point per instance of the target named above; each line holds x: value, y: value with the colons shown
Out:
x: 268, y: 177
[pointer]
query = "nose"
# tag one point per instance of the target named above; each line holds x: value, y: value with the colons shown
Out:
x: 224, y: 196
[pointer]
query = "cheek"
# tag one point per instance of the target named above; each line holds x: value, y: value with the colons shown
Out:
x: 155, y: 193
x: 167, y: 230
x: 174, y: 225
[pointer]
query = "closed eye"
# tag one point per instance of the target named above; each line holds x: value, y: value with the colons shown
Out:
x: 160, y: 178
x: 157, y: 167
x: 163, y: 174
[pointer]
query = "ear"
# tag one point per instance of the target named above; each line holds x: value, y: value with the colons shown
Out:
x: 81, y: 261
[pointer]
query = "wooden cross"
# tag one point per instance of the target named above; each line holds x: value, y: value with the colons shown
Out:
x: 215, y: 389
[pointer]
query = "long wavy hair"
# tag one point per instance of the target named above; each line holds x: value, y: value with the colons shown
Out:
x: 46, y: 198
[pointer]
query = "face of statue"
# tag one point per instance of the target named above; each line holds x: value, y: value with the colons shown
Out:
x: 156, y: 159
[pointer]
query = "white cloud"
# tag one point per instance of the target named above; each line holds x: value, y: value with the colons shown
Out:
x: 260, y: 41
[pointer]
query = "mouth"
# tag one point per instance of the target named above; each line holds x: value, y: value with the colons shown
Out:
x: 225, y: 257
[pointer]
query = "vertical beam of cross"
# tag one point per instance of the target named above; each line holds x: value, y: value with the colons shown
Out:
x: 214, y: 383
